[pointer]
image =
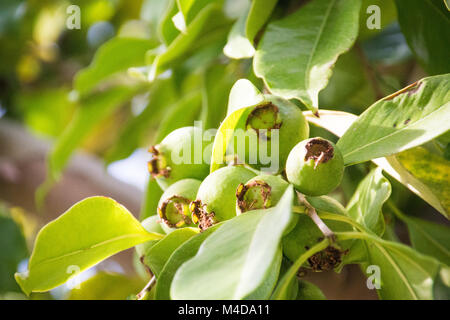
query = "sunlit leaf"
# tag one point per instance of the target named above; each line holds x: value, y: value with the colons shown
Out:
x: 87, y: 233
x: 405, y: 273
x: 182, y: 254
x: 296, y: 54
x: 431, y: 170
x: 156, y: 257
x: 210, y: 16
x: 259, y: 13
x: 118, y: 54
x: 243, y: 94
x: 365, y: 205
x: 238, y: 45
x: 408, y: 118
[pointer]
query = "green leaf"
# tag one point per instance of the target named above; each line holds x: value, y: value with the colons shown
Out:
x: 405, y: 273
x: 309, y: 291
x: 253, y: 17
x: 116, y: 55
x: 297, y: 289
x: 157, y: 256
x: 427, y: 237
x: 182, y: 254
x: 209, y: 17
x: 106, y: 286
x: 408, y: 118
x: 296, y: 54
x: 243, y: 94
x: 238, y: 45
x: 14, y: 250
x: 240, y: 256
x: 431, y: 170
x: 151, y: 12
x: 236, y: 120
x: 166, y: 29
x: 189, y: 10
x: 87, y: 233
x: 426, y: 26
x: 260, y: 11
x: 365, y: 205
x: 284, y: 288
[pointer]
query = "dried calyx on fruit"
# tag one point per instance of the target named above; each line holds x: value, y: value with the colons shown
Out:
x: 173, y: 207
x: 278, y: 114
x: 265, y: 116
x: 216, y: 197
x: 327, y: 259
x: 260, y: 192
x: 315, y: 167
x: 178, y: 156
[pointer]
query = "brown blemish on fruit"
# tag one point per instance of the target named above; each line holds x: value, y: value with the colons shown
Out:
x: 327, y: 259
x: 242, y: 189
x: 154, y: 164
x: 200, y: 216
x: 178, y: 203
x: 319, y: 150
x: 411, y: 89
x: 265, y: 116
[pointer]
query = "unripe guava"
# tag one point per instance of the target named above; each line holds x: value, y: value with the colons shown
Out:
x: 261, y: 192
x: 178, y: 156
x: 315, y: 167
x: 173, y: 206
x: 274, y: 113
x: 216, y: 197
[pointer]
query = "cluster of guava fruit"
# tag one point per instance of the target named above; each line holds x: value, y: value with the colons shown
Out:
x: 194, y: 197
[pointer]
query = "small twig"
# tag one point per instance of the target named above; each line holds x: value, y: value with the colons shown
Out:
x: 144, y: 292
x: 312, y: 213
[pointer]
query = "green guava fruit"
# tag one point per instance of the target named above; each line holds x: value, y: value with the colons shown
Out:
x: 216, y: 197
x: 173, y: 206
x: 261, y: 138
x: 178, y: 156
x: 261, y: 192
x: 315, y: 167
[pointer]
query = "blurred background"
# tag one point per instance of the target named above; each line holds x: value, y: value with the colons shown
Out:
x: 77, y: 117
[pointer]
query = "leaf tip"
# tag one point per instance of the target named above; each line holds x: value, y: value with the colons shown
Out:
x: 21, y: 279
